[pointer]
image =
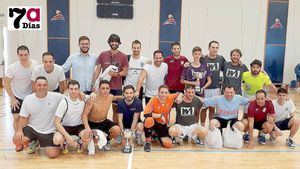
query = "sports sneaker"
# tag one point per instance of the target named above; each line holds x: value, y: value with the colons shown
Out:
x: 119, y: 139
x: 138, y: 138
x: 107, y: 146
x: 197, y: 141
x: 80, y: 146
x: 147, y: 147
x: 246, y: 138
x: 178, y: 140
x: 262, y: 139
x: 186, y: 138
x: 32, y: 146
x: 290, y: 143
x: 65, y: 148
x: 19, y: 148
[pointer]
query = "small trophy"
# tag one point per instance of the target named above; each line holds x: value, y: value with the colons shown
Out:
x: 127, y: 134
x: 198, y: 76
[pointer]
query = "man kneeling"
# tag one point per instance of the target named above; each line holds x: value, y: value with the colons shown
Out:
x: 38, y: 110
x: 187, y: 118
x: 68, y: 119
x: 285, y: 120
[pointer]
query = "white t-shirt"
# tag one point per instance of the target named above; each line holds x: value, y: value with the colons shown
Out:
x: 41, y: 111
x: 53, y: 78
x: 155, y: 78
x: 284, y: 111
x: 21, y: 78
x: 73, y: 115
x: 134, y: 70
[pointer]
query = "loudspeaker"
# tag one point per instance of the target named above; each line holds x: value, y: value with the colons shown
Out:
x: 114, y: 11
x: 116, y: 2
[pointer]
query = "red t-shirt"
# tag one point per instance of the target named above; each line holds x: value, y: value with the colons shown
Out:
x: 175, y: 68
x: 120, y: 60
x: 260, y: 113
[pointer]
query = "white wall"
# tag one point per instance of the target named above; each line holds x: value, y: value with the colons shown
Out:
x: 234, y: 23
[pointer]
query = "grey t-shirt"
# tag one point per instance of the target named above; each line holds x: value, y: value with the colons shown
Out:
x: 186, y: 113
x: 233, y: 76
x: 215, y: 65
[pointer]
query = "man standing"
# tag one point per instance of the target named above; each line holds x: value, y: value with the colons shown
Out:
x: 55, y: 74
x: 175, y: 64
x: 129, y: 111
x: 136, y: 63
x: 255, y: 80
x: 285, y: 119
x: 17, y: 83
x: 118, y: 59
x: 187, y: 118
x: 233, y: 71
x: 261, y: 116
x: 68, y: 119
x: 215, y: 63
x: 83, y: 65
x: 95, y: 114
x: 197, y: 74
x: 154, y: 75
x: 36, y: 118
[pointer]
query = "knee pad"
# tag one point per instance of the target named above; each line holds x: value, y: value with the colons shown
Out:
x: 149, y: 122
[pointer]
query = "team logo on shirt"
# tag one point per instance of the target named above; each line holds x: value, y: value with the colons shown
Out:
x: 142, y: 64
x: 233, y: 73
x: 182, y: 62
x: 213, y: 66
x: 133, y: 109
x: 187, y: 111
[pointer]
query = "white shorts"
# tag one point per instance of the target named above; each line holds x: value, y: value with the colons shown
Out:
x: 186, y: 130
x: 208, y: 93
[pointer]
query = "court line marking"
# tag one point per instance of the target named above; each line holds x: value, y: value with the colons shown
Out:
x: 296, y: 150
x: 130, y: 159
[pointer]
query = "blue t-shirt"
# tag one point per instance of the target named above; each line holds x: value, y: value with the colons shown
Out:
x: 226, y: 109
x: 128, y: 111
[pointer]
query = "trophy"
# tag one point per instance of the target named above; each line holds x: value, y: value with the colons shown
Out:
x: 127, y: 134
x: 198, y: 76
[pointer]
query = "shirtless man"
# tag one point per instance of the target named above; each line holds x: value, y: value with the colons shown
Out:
x: 95, y: 114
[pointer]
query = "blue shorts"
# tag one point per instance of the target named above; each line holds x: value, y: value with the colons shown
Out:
x: 284, y: 124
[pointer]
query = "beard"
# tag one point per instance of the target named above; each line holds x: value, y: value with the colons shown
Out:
x: 255, y: 73
x: 114, y: 47
x: 84, y: 51
x: 128, y: 99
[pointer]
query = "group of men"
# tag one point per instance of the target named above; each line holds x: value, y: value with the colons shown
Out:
x: 44, y: 117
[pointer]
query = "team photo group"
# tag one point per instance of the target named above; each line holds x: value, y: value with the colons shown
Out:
x: 217, y: 102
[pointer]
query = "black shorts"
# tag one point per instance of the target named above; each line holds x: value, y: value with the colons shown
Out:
x: 74, y: 130
x: 162, y: 130
x: 175, y: 91
x: 45, y: 140
x: 104, y: 126
x: 258, y: 125
x: 56, y: 90
x: 223, y: 122
x: 17, y: 111
x: 147, y: 99
x: 284, y: 124
x: 116, y: 92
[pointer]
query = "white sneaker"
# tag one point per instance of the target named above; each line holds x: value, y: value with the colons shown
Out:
x: 298, y: 89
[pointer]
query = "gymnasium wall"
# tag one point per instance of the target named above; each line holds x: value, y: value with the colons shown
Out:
x: 234, y: 23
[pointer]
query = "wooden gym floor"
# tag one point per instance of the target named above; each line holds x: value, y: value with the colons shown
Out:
x: 268, y: 156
